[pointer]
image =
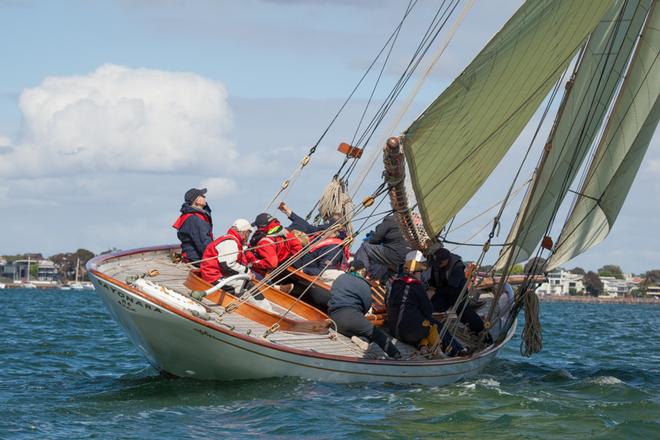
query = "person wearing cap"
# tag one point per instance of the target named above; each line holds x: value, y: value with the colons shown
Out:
x: 271, y: 243
x: 446, y: 277
x: 194, y: 226
x: 409, y: 309
x: 350, y: 300
x: 224, y: 256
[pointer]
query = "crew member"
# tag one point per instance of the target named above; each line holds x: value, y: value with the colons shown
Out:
x: 326, y: 257
x: 224, y: 256
x: 447, y: 277
x: 410, y: 312
x: 271, y: 243
x: 385, y: 249
x: 350, y: 300
x: 300, y: 224
x: 194, y: 226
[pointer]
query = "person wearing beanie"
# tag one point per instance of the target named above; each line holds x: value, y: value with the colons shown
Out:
x: 350, y: 300
x: 194, y: 226
x: 446, y: 279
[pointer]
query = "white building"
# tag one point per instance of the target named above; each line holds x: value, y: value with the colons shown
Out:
x: 615, y: 287
x: 561, y: 282
x: 653, y: 291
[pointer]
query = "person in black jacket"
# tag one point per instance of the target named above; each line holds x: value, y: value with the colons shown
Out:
x: 447, y: 278
x: 385, y: 249
x: 300, y: 224
x: 409, y: 309
x: 194, y: 226
x: 350, y: 300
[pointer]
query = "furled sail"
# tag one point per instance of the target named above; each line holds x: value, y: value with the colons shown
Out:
x: 620, y: 152
x: 586, y: 101
x: 458, y: 141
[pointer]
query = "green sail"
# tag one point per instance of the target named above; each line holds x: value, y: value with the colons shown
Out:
x: 457, y: 142
x: 598, y: 75
x: 619, y: 155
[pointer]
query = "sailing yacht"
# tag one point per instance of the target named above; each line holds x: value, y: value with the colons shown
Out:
x: 602, y: 54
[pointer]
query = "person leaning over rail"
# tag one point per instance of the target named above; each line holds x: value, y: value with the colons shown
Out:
x: 350, y: 300
x: 410, y: 312
x: 446, y: 277
x: 194, y: 226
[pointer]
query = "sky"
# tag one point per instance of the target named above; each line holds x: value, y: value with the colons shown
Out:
x: 111, y: 110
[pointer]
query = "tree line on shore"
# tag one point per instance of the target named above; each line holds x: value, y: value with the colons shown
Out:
x: 66, y: 263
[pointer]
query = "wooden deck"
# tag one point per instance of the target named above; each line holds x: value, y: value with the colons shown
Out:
x: 173, y: 276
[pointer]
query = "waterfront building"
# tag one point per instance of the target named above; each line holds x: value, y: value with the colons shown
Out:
x: 653, y: 291
x: 562, y: 282
x: 615, y: 287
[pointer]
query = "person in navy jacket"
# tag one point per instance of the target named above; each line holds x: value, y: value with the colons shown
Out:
x: 194, y: 226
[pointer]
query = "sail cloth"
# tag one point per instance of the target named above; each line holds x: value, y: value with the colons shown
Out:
x: 620, y: 152
x: 596, y: 80
x: 458, y: 141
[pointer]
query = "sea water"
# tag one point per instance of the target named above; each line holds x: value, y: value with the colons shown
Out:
x: 67, y: 371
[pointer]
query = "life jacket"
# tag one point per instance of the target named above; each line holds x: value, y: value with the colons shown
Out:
x: 333, y: 242
x: 211, y: 270
x: 276, y: 237
x: 182, y: 219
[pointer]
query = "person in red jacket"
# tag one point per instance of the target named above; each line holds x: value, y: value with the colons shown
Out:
x: 224, y: 256
x: 271, y: 244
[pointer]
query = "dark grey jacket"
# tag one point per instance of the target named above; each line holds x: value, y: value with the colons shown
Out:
x: 350, y: 290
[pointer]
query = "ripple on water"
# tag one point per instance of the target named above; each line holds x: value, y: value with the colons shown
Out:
x: 76, y: 375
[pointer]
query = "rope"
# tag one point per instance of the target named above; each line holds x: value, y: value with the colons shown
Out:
x: 404, y: 109
x: 531, y: 337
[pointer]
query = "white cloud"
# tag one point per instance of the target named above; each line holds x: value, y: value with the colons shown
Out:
x: 122, y: 119
x: 219, y: 186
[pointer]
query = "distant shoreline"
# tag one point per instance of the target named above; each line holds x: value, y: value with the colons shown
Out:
x: 598, y: 299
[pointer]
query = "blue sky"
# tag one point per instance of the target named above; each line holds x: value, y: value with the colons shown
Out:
x: 112, y: 109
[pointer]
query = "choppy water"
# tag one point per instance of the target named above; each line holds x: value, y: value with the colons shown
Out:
x: 67, y: 371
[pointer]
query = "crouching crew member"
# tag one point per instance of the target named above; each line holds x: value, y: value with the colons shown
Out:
x: 224, y: 256
x: 194, y: 226
x: 272, y: 244
x: 447, y: 277
x: 410, y: 312
x: 385, y: 249
x: 350, y: 299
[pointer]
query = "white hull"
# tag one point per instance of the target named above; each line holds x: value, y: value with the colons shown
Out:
x: 178, y: 343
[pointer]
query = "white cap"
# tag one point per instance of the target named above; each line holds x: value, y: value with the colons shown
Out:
x: 415, y: 262
x: 415, y: 256
x: 240, y: 224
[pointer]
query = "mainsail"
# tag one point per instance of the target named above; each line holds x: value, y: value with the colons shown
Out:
x: 586, y: 102
x: 458, y: 141
x: 619, y: 154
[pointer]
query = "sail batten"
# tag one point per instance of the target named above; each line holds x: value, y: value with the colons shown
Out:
x: 454, y: 146
x: 585, y: 104
x: 617, y: 159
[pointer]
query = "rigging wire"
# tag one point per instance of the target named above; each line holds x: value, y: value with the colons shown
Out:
x: 406, y: 106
